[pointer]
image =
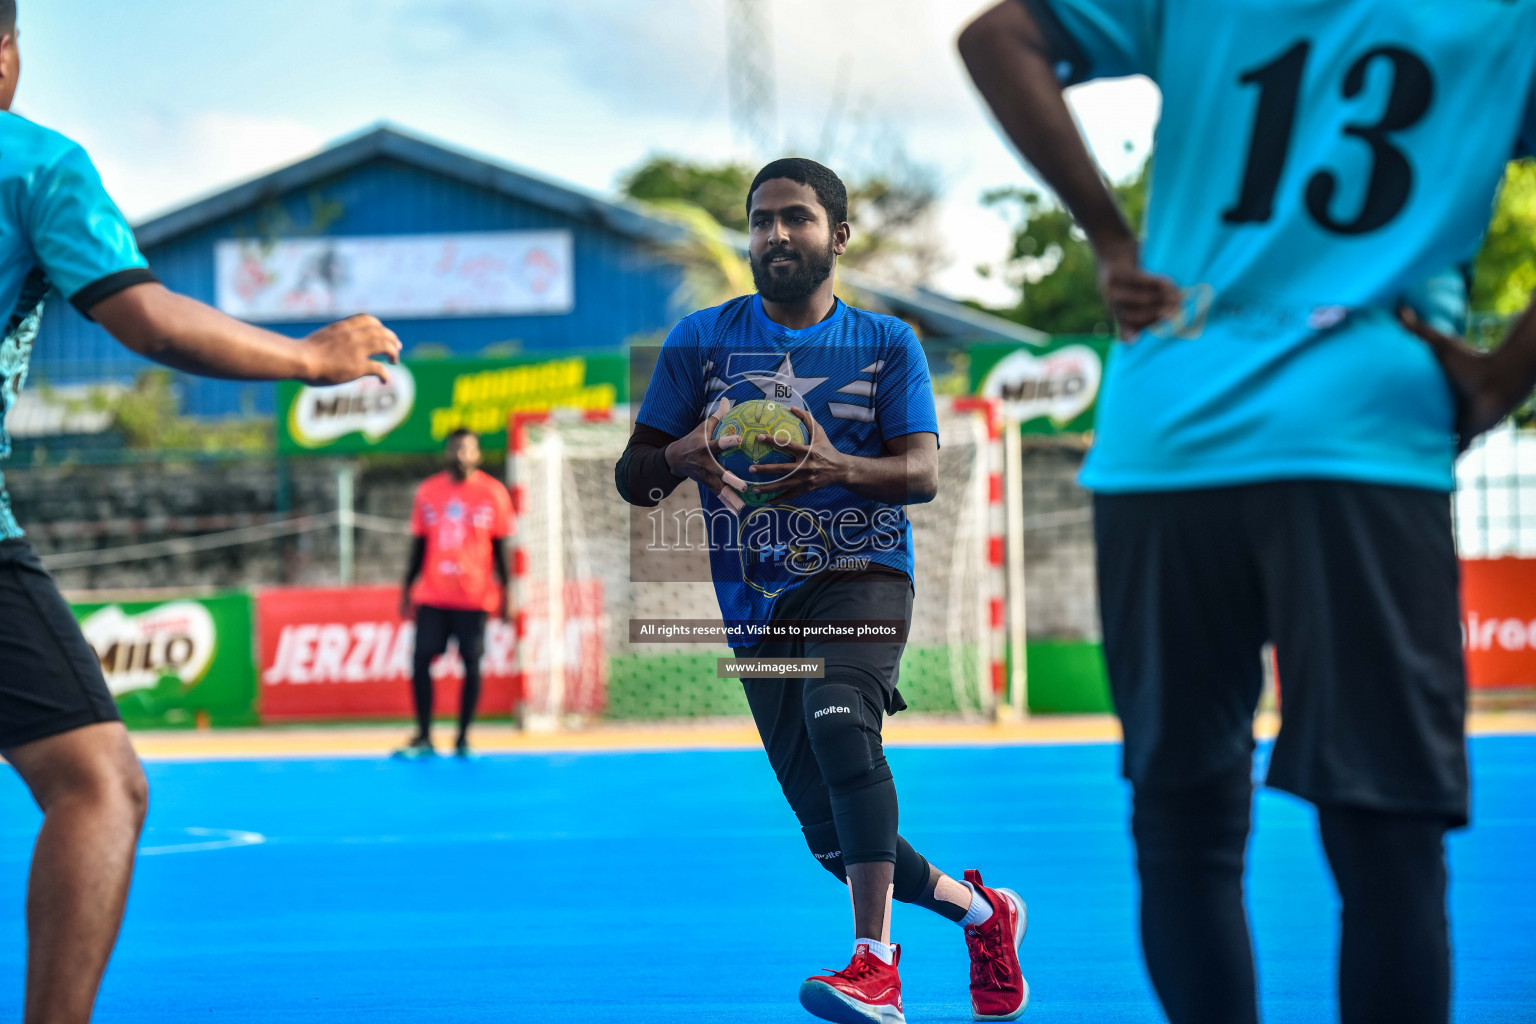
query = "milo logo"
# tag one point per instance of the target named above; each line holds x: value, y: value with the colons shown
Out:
x: 137, y: 651
x: 366, y: 406
x: 1060, y: 386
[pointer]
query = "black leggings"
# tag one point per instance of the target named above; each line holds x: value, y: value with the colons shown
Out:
x: 433, y: 628
x: 1394, y: 954
x: 822, y: 736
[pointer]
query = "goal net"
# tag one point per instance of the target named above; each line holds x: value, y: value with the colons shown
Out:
x: 576, y: 592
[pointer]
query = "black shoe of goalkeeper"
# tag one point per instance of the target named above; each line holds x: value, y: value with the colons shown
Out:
x: 461, y: 750
x: 416, y: 750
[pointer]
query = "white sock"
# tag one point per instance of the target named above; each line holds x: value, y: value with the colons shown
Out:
x: 980, y: 910
x: 877, y: 948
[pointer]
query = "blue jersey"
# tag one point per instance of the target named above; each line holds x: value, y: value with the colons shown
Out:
x: 864, y: 379
x: 1318, y: 163
x: 59, y: 230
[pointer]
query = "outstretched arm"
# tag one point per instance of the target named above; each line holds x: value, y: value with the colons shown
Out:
x: 1011, y: 62
x: 185, y: 334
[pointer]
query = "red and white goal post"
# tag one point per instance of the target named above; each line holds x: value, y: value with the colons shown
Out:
x: 572, y: 591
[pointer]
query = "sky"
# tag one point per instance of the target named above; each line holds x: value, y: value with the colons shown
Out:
x: 175, y: 99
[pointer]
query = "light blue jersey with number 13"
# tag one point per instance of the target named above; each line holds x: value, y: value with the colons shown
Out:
x: 1318, y: 162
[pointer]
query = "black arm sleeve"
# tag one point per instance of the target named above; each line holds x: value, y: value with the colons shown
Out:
x: 499, y: 559
x: 418, y: 556
x: 641, y: 475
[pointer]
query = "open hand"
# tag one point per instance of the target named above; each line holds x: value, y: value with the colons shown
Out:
x: 697, y: 456
x: 344, y: 351
x: 811, y: 467
x: 1137, y: 299
x: 1485, y: 392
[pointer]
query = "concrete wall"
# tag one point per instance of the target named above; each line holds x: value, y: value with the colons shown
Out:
x: 75, y: 508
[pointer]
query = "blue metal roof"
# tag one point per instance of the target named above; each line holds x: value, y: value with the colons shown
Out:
x: 391, y: 143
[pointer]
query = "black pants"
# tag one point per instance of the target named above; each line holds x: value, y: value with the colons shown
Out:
x: 433, y: 628
x: 1357, y: 587
x: 823, y: 736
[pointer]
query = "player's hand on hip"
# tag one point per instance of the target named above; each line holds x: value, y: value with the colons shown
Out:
x: 345, y: 350
x: 407, y: 609
x: 1136, y: 298
x: 697, y: 456
x: 812, y: 466
x: 1484, y: 395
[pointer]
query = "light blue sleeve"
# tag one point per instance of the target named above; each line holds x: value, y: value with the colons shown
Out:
x: 904, y: 391
x: 676, y: 391
x: 79, y: 236
x: 1101, y: 38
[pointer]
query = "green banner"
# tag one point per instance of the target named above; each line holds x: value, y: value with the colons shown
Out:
x: 171, y: 662
x: 425, y: 401
x: 1051, y: 388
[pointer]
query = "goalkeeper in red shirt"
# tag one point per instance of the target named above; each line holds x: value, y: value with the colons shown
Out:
x: 456, y: 577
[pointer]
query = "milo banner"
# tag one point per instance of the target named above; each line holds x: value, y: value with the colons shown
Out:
x: 425, y: 401
x: 1051, y: 388
x: 178, y: 661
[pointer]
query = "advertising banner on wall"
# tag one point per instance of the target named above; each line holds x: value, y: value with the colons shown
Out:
x: 173, y: 661
x: 344, y: 652
x: 1051, y: 388
x: 425, y: 401
x: 1498, y: 628
x: 473, y: 273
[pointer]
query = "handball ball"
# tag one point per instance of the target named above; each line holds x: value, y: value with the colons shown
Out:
x: 749, y: 421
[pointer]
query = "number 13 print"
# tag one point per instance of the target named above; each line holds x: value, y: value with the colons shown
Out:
x: 1391, y: 180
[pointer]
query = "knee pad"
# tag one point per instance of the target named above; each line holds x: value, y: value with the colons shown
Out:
x: 1207, y: 823
x: 911, y: 881
x: 823, y: 841
x: 845, y: 736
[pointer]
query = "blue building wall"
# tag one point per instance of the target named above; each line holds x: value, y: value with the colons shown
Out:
x: 622, y: 289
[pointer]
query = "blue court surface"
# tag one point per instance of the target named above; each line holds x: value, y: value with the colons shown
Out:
x: 647, y: 887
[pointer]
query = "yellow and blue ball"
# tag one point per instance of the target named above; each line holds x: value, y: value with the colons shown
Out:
x: 754, y: 422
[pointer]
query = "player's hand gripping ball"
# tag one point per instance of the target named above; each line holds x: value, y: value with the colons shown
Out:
x: 754, y: 422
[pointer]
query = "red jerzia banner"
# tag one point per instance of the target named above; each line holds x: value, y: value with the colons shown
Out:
x: 344, y: 652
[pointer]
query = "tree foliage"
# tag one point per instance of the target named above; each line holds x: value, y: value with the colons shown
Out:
x: 1051, y: 262
x: 148, y: 415
x: 1504, y: 275
x: 718, y: 189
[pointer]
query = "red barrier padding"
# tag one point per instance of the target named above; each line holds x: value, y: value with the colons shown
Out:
x: 1498, y: 622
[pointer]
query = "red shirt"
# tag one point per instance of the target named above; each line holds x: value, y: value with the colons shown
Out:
x: 459, y: 521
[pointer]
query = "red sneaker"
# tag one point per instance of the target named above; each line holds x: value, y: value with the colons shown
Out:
x: 998, y: 988
x: 868, y: 989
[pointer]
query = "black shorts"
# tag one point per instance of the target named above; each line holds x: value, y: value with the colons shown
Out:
x: 778, y: 705
x: 435, y: 625
x: 50, y: 679
x: 1357, y: 586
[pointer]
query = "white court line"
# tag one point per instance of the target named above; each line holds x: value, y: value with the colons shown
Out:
x: 228, y: 838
